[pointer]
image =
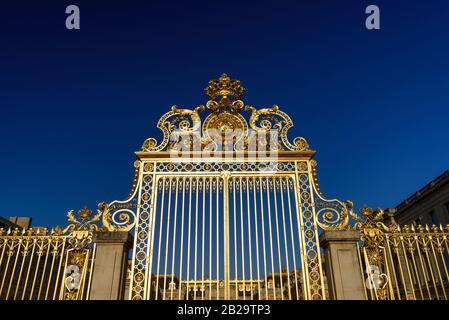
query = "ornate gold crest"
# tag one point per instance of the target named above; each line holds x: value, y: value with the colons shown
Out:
x: 269, y: 126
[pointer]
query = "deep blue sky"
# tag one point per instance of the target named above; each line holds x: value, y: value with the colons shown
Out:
x: 75, y: 105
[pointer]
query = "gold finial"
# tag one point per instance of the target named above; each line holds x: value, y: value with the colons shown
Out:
x: 224, y: 87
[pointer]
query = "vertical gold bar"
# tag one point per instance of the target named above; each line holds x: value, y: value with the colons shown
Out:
x: 167, y: 235
x: 241, y: 235
x: 227, y: 274
x: 256, y: 222
x: 19, y: 249
x: 278, y: 240
x: 281, y: 189
x: 29, y: 269
x: 22, y: 263
x: 372, y: 290
x: 441, y: 252
x: 6, y: 273
x: 361, y: 271
x: 426, y: 251
x: 80, y: 291
x: 414, y: 265
x: 249, y: 238
x: 387, y: 240
x: 407, y: 265
x: 174, y: 243
x: 161, y: 219
x: 437, y: 267
x: 269, y: 181
x: 56, y: 245
x: 387, y: 268
x: 292, y: 236
x: 210, y: 238
x: 188, y: 235
x: 203, y: 183
x: 94, y: 250
x: 45, y: 267
x: 182, y: 236
x: 196, y: 238
x: 66, y: 258
x: 217, y: 211
x: 262, y: 182
x: 3, y: 249
x: 235, y: 238
x: 422, y: 266
x: 61, y: 259
x: 33, y: 285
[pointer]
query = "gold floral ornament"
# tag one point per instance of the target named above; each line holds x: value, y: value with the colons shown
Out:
x: 183, y: 129
x: 84, y: 221
x: 81, y: 227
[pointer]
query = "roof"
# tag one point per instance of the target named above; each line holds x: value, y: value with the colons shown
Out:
x: 424, y: 191
x: 7, y: 223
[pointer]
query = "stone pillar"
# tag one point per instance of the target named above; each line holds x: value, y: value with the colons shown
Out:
x: 110, y: 265
x: 343, y: 270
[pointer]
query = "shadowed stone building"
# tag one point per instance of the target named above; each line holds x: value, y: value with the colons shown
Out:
x: 429, y: 205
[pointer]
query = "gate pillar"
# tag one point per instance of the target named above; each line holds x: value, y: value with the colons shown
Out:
x: 343, y: 271
x: 110, y: 265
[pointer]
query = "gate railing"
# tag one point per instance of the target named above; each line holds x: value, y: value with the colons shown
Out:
x: 37, y: 264
x: 404, y: 263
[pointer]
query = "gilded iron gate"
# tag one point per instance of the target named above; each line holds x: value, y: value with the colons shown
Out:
x: 36, y: 264
x: 235, y: 238
x: 226, y: 208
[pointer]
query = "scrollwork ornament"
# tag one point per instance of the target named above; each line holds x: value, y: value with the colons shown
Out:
x: 119, y: 219
x: 262, y: 121
x: 173, y: 124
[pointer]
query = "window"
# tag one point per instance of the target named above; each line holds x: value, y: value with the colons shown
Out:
x: 434, y: 218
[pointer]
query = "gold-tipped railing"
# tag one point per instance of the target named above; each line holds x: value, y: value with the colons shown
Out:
x: 37, y: 264
x: 404, y: 263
